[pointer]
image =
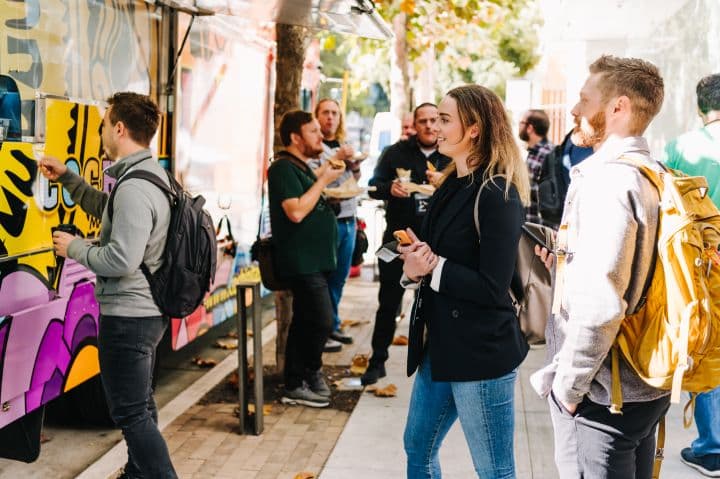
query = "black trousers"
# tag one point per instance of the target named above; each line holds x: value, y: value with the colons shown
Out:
x: 595, y: 444
x: 310, y: 327
x: 390, y: 300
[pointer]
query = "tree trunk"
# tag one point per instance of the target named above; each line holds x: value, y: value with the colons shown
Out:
x: 399, y: 69
x: 291, y: 44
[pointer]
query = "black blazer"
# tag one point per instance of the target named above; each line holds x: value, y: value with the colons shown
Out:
x: 472, y: 330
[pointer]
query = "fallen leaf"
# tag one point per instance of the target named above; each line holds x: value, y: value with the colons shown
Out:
x: 227, y: 343
x: 400, y: 340
x: 349, y: 323
x: 305, y: 475
x: 249, y: 334
x: 204, y: 362
x: 267, y: 409
x: 388, y: 391
x: 233, y: 380
x: 359, y: 364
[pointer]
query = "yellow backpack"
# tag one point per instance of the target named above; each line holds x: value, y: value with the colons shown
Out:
x: 673, y: 340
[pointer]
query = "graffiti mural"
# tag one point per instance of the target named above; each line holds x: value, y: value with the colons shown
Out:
x: 51, y: 49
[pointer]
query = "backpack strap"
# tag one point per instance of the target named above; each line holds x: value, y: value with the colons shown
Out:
x: 142, y: 174
x: 155, y: 180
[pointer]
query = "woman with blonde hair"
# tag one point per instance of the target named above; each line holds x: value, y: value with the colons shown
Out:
x: 465, y: 340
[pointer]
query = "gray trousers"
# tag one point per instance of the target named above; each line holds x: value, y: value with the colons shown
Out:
x: 594, y: 444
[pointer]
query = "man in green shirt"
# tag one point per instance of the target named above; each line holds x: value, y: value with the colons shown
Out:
x: 697, y: 153
x: 305, y: 236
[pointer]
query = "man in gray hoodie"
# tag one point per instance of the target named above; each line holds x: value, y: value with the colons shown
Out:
x: 610, y: 220
x: 131, y: 325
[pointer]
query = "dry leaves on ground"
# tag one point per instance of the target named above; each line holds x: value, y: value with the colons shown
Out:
x: 204, y: 362
x: 305, y: 475
x: 229, y: 343
x: 267, y: 409
x: 400, y: 340
x: 388, y: 391
x: 350, y: 323
x: 359, y: 364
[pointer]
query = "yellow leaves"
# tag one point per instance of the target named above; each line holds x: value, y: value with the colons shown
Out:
x: 267, y: 409
x: 228, y: 343
x: 359, y: 364
x: 407, y: 6
x: 400, y: 340
x: 305, y: 475
x: 388, y: 391
x: 351, y: 323
x: 204, y: 362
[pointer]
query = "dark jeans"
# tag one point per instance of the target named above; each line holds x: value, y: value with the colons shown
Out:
x: 127, y: 350
x: 390, y: 300
x: 594, y: 444
x: 310, y: 327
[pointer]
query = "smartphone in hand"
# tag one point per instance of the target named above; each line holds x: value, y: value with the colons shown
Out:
x: 536, y: 239
x: 402, y: 237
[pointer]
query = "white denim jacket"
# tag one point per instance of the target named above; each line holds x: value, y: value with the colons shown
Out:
x: 612, y: 214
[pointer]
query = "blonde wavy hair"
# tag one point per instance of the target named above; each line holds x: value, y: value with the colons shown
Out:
x: 494, y: 149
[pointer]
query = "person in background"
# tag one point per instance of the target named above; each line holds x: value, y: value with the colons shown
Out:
x: 407, y: 126
x: 533, y: 130
x: 465, y: 340
x: 403, y: 210
x: 697, y: 153
x: 330, y: 117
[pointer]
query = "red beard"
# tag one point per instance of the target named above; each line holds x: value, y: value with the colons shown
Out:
x: 596, y: 133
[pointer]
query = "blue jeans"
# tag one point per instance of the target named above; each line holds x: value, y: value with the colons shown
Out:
x: 127, y: 359
x: 707, y: 419
x: 485, y: 410
x: 345, y: 248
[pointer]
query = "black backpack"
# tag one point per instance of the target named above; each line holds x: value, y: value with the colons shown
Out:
x: 180, y: 284
x: 553, y: 186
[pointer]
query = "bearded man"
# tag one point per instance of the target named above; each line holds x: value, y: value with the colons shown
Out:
x: 609, y: 225
x: 305, y: 235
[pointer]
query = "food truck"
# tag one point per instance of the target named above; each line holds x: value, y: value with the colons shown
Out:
x: 210, y: 67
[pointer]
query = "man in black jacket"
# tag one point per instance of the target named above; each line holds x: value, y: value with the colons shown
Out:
x: 403, y: 210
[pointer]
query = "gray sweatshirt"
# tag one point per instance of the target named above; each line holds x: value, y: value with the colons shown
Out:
x: 141, y: 218
x: 612, y: 215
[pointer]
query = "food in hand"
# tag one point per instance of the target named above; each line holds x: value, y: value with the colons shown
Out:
x: 403, y: 174
x: 402, y: 237
x: 336, y: 164
x: 430, y: 166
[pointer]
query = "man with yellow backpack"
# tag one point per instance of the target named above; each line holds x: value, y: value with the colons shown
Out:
x: 636, y: 307
x: 605, y: 254
x: 697, y: 153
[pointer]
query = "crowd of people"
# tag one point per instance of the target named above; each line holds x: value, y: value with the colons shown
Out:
x: 465, y: 343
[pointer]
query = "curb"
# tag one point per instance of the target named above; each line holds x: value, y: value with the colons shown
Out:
x: 109, y: 463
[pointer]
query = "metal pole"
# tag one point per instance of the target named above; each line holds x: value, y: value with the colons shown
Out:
x: 257, y: 358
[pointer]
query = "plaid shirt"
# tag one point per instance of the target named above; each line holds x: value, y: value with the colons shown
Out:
x: 535, y: 160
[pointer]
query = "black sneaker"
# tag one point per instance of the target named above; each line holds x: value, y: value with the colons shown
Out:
x: 316, y: 383
x: 341, y: 336
x: 708, y: 465
x: 373, y: 373
x: 303, y: 395
x: 332, y: 346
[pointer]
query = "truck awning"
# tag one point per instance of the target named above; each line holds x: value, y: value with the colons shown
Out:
x: 353, y: 17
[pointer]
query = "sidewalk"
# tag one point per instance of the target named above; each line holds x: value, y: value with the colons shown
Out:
x: 368, y: 442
